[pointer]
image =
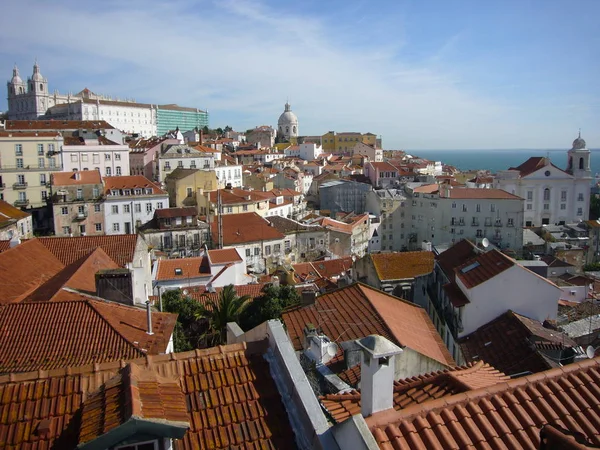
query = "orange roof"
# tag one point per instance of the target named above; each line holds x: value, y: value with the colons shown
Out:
x: 321, y: 269
x: 23, y: 134
x: 358, y: 310
x: 50, y: 335
x: 76, y: 178
x: 244, y: 228
x: 483, y: 268
x: 231, y: 401
x: 508, y: 415
x: 9, y: 212
x: 224, y: 256
x: 202, y: 295
x: 120, y: 247
x: 57, y: 124
x: 182, y: 268
x: 130, y: 182
x: 420, y: 389
x: 24, y: 268
x: 427, y: 189
x: 401, y: 265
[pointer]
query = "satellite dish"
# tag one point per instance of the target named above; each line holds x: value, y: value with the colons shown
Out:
x: 590, y: 352
x: 332, y: 349
x: 185, y: 292
x: 485, y: 242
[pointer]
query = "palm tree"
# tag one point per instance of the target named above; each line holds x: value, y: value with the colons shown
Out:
x: 226, y: 308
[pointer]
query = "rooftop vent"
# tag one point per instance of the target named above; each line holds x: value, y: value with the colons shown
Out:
x: 178, y: 271
x: 470, y: 267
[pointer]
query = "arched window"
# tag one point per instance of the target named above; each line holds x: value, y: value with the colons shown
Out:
x: 546, y: 194
x: 581, y: 163
x: 41, y: 87
x: 287, y: 129
x: 294, y: 129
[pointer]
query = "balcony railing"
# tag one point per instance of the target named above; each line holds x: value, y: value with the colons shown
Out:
x: 81, y: 215
x: 18, y: 186
x: 31, y: 167
x: 475, y: 223
x: 21, y: 202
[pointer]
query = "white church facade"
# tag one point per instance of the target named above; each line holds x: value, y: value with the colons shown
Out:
x: 551, y: 195
x: 287, y: 125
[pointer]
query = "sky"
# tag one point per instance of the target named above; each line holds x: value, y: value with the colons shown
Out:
x: 433, y: 74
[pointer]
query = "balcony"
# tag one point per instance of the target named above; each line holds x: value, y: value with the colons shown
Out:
x: 81, y: 216
x: 19, y: 186
x: 488, y: 224
x: 498, y: 224
x: 21, y: 202
x: 32, y: 167
x: 475, y: 223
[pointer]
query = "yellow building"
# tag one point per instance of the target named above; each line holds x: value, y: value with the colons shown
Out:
x: 186, y: 187
x: 344, y: 142
x: 27, y: 158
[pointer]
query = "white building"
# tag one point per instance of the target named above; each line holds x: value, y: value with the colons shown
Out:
x: 89, y: 151
x: 307, y: 152
x: 552, y: 195
x: 287, y: 125
x: 184, y: 157
x: 229, y: 174
x: 130, y: 201
x: 372, y: 153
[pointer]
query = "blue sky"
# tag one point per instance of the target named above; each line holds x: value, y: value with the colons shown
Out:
x: 422, y: 74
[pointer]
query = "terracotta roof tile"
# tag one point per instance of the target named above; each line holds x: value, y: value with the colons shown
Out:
x: 455, y: 256
x: 120, y: 248
x: 420, y: 389
x: 243, y: 228
x: 57, y: 124
x: 8, y: 212
x: 509, y: 344
x: 356, y: 311
x: 507, y: 415
x: 230, y: 396
x: 427, y: 189
x: 76, y: 178
x: 176, y: 212
x: 4, y: 245
x: 23, y: 134
x: 50, y: 335
x: 202, y: 295
x: 222, y: 256
x: 483, y: 267
x: 401, y: 265
x: 25, y: 268
x: 130, y: 182
x: 311, y: 271
x: 182, y: 268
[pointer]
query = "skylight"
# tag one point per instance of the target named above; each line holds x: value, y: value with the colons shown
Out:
x: 470, y: 267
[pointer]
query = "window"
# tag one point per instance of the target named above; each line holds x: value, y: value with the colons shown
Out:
x: 107, y: 157
x: 256, y: 251
x: 21, y: 179
x: 66, y: 230
x: 580, y: 211
x: 118, y: 170
x: 511, y: 222
x: 18, y: 150
x: 96, y: 192
x: 42, y: 179
x: 563, y: 196
x: 64, y: 210
x: 530, y: 196
x: 167, y: 165
x: 115, y: 209
x: 229, y: 209
x: 149, y: 191
x: 117, y: 157
x: 492, y: 208
x: 478, y: 208
x: 51, y: 148
x: 479, y: 233
x: 464, y: 208
x: 97, y: 208
x: 116, y: 227
x: 179, y: 163
x: 563, y: 206
x: 529, y: 206
x: 580, y: 197
x: 546, y: 194
x: 98, y: 226
x: 126, y: 208
x: 267, y: 250
x: 190, y: 191
x: 84, y: 157
x: 137, y: 191
x: 248, y: 252
x: 546, y: 206
x: 148, y: 207
x: 79, y: 194
x: 82, y: 229
x: 19, y: 163
x: 159, y: 205
x: 245, y: 207
x: 40, y: 148
x: 454, y: 205
x: 277, y: 248
x: 108, y: 171
x: 44, y: 196
x: 73, y: 157
x: 137, y: 207
x: 287, y: 244
x: 96, y: 158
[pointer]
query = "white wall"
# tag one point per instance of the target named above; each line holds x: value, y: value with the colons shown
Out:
x: 131, y: 209
x: 113, y: 158
x: 517, y: 289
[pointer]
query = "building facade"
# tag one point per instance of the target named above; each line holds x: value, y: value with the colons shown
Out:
x: 170, y: 117
x: 90, y: 151
x: 183, y: 157
x: 552, y: 195
x: 287, y: 125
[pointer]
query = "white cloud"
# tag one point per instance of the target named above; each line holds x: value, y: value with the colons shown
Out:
x: 242, y: 59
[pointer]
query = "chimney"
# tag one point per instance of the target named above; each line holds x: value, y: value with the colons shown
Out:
x: 115, y: 285
x: 149, y: 313
x: 377, y: 374
x: 14, y: 239
x: 308, y: 298
x: 275, y: 281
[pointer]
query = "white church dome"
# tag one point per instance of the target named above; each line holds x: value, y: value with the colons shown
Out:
x: 287, y: 125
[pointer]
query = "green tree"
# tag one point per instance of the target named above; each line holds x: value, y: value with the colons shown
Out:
x: 269, y: 305
x: 226, y: 308
x: 187, y: 329
x: 205, y: 129
x: 594, y: 207
x: 219, y: 131
x: 227, y: 128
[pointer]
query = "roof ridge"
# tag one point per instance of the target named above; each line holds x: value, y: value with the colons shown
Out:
x: 411, y: 412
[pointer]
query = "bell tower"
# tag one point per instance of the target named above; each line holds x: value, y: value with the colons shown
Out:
x: 579, y: 159
x: 16, y: 90
x: 38, y: 87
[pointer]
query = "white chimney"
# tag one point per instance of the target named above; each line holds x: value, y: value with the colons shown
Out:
x: 149, y: 313
x: 377, y: 374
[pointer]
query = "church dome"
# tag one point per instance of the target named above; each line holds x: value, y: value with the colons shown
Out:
x: 579, y: 143
x: 287, y: 117
x: 16, y: 79
x: 37, y: 76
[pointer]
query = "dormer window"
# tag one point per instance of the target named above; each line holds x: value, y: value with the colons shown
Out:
x: 114, y: 192
x: 148, y: 191
x: 146, y: 445
x: 138, y: 192
x: 178, y: 271
x: 127, y: 192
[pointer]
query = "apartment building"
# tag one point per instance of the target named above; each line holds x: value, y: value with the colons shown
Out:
x: 86, y: 150
x: 183, y: 157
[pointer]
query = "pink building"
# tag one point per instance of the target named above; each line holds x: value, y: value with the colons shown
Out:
x: 144, y: 153
x: 381, y: 174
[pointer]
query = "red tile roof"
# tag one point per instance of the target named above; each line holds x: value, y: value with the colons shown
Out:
x: 230, y: 397
x: 508, y: 415
x: 245, y: 228
x: 23, y: 134
x: 420, y: 389
x: 455, y: 256
x: 483, y: 268
x: 176, y: 212
x: 224, y: 256
x: 402, y: 265
x: 202, y: 295
x: 131, y: 182
x: 76, y: 178
x: 311, y: 271
x: 9, y: 212
x: 120, y: 248
x: 50, y: 335
x: 427, y: 189
x: 168, y: 269
x: 57, y: 124
x: 4, y: 245
x: 356, y: 311
x: 512, y: 344
x: 25, y: 268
